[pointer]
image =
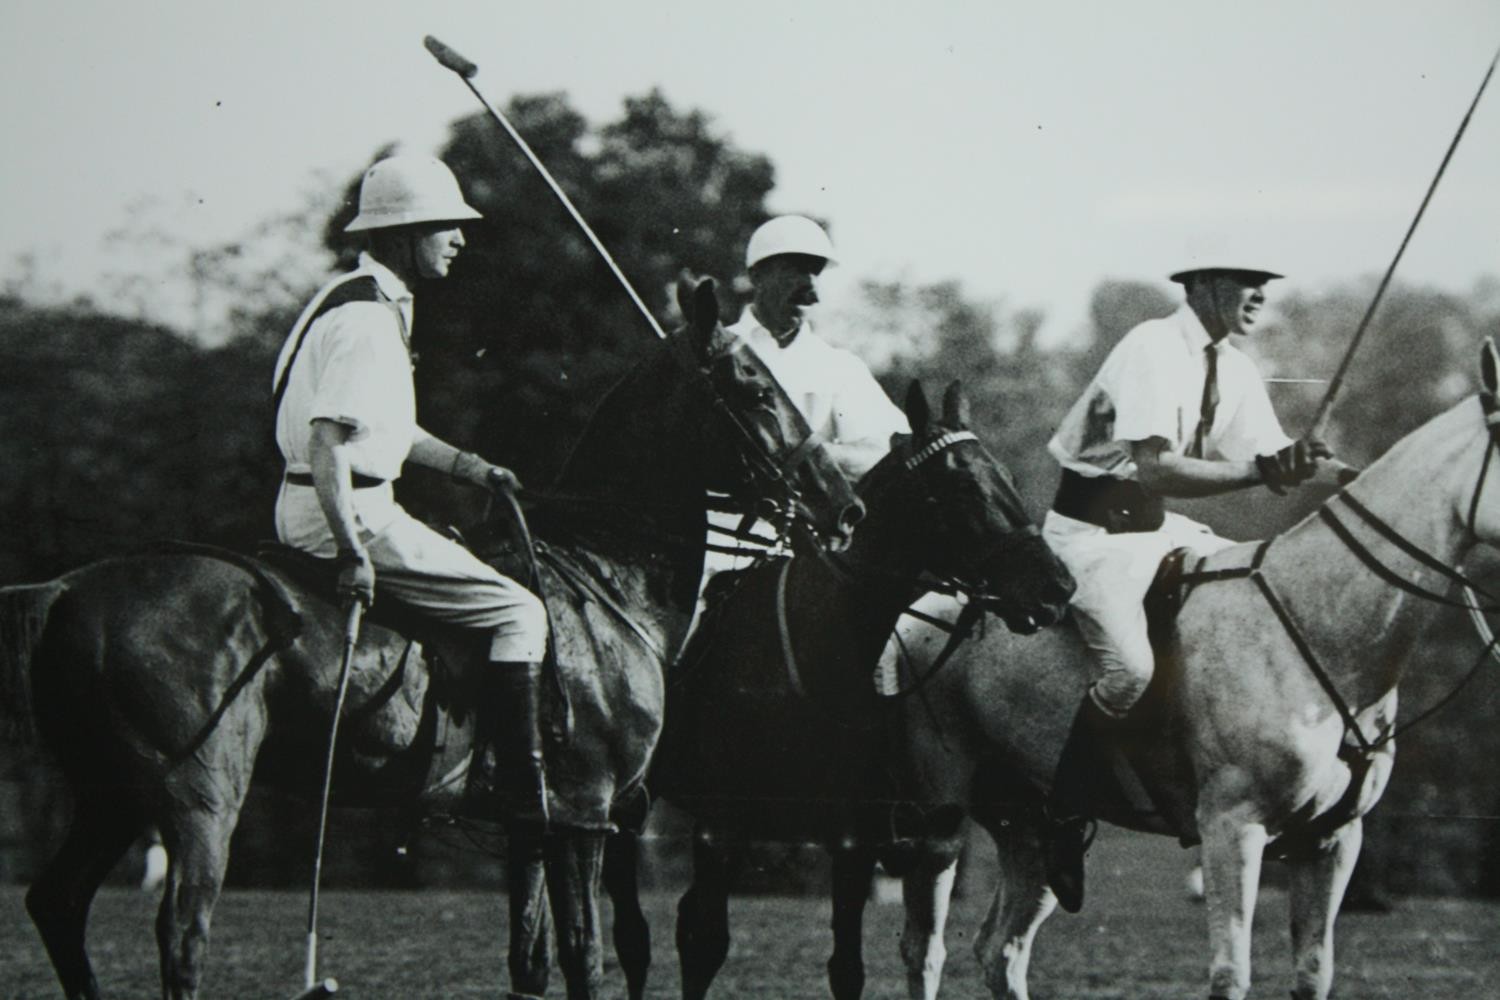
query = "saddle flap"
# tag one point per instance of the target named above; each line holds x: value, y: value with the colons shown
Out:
x: 1164, y: 597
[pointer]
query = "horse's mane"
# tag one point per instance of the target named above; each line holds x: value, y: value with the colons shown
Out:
x: 618, y: 395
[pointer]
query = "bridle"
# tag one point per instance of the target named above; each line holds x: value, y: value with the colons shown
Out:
x: 780, y: 502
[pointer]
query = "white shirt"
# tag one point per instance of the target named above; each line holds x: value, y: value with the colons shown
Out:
x: 832, y: 388
x: 1151, y: 386
x: 354, y: 368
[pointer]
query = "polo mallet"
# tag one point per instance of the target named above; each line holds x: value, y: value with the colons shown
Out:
x: 1320, y: 420
x: 314, y: 988
x: 466, y: 70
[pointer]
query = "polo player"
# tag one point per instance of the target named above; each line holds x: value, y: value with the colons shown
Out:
x: 1176, y: 410
x: 346, y: 424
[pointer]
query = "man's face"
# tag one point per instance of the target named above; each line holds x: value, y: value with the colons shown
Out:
x: 784, y: 287
x: 434, y: 246
x: 1233, y: 301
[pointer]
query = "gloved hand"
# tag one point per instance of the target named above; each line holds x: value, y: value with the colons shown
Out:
x: 1293, y: 465
x: 356, y: 576
x: 500, y: 479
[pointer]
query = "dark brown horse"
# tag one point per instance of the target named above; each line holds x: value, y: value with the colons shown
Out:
x: 162, y: 681
x: 774, y: 728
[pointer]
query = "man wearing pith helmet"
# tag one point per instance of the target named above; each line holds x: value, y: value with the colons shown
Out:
x: 1176, y: 410
x: 346, y: 424
x: 832, y: 388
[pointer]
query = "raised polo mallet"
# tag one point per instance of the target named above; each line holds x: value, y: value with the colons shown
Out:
x: 313, y: 988
x: 466, y: 70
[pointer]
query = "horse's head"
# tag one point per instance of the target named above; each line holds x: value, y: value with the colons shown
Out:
x: 765, y: 451
x: 958, y: 511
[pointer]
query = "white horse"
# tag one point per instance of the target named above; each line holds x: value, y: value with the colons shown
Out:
x: 1270, y: 721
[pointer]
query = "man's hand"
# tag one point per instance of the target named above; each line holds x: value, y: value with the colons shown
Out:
x: 468, y: 467
x: 499, y: 479
x: 356, y: 576
x: 1293, y: 465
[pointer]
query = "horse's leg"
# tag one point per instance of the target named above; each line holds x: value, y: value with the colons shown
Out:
x: 197, y: 840
x: 574, y: 867
x: 1022, y: 902
x: 703, y: 912
x: 853, y: 869
x: 632, y: 935
x: 1232, y: 853
x: 925, y: 893
x: 1317, y: 885
x: 103, y: 826
x: 530, y: 954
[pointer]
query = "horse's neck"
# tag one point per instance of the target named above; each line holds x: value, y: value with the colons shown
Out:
x: 630, y: 497
x: 874, y: 581
x: 1369, y: 627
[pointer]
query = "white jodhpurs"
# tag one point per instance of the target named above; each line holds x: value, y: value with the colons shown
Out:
x: 1113, y: 573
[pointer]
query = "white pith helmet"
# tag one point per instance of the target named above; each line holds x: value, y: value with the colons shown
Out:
x: 406, y: 189
x: 788, y: 234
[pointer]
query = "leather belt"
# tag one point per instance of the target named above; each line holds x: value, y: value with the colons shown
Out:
x: 361, y: 481
x: 1116, y: 505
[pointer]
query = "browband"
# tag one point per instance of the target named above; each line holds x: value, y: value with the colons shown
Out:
x: 933, y: 447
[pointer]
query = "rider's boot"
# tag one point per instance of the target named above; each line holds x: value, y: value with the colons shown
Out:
x: 1084, y: 759
x: 509, y: 785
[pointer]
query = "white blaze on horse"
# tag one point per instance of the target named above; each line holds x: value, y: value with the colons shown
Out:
x: 1269, y: 727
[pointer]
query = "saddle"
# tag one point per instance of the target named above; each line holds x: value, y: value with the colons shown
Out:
x: 321, y: 577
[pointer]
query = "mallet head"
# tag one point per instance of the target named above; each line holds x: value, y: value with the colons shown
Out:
x: 319, y: 991
x: 450, y: 59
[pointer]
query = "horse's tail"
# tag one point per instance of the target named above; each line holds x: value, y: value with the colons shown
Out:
x: 23, y: 615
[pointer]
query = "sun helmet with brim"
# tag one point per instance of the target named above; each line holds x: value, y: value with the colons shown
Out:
x: 1181, y: 277
x: 788, y: 234
x: 408, y: 189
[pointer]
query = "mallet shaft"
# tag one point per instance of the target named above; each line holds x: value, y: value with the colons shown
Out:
x: 466, y: 70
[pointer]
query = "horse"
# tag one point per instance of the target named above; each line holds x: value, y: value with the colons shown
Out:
x: 1269, y: 727
x: 775, y: 730
x: 163, y: 681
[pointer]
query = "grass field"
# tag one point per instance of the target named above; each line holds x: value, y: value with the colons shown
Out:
x: 1137, y: 939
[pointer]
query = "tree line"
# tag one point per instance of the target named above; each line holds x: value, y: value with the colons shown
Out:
x: 116, y: 431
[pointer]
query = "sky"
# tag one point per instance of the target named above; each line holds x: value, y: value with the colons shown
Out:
x: 1025, y: 149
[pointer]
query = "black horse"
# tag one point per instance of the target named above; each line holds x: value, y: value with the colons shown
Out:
x: 162, y: 681
x: 775, y: 730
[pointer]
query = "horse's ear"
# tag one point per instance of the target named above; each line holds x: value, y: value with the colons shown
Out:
x: 1489, y: 366
x: 685, y: 285
x: 917, y: 412
x: 956, y: 406
x: 700, y: 308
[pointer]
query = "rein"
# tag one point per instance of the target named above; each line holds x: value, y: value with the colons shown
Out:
x: 960, y: 630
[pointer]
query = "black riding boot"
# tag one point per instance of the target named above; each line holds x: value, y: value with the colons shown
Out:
x: 1083, y: 761
x: 509, y: 785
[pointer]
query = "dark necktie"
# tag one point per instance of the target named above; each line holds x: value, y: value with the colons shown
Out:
x: 1210, y: 400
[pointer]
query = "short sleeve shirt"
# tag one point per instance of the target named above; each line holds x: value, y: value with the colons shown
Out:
x: 354, y: 368
x: 833, y: 389
x: 1151, y: 386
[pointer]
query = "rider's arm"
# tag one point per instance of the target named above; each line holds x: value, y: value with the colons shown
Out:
x: 1168, y: 474
x: 332, y: 478
x: 432, y: 452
